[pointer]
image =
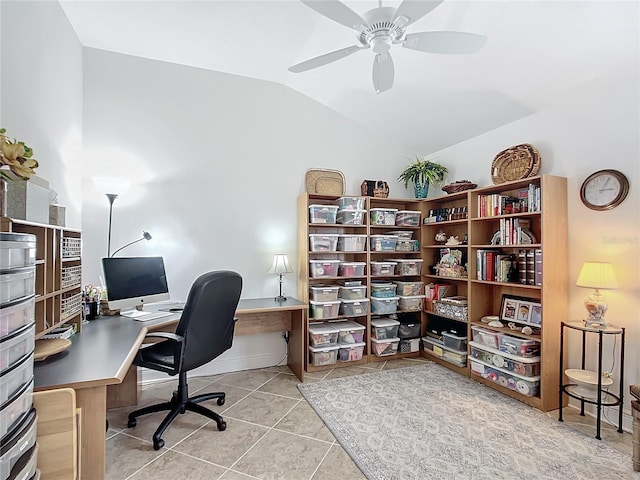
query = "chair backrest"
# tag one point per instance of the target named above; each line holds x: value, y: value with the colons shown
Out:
x: 207, y: 321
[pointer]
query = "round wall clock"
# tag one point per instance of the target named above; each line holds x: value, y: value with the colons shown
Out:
x: 604, y: 189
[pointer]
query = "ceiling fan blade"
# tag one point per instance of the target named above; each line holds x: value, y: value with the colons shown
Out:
x: 324, y: 59
x: 383, y: 72
x: 338, y: 12
x: 445, y: 42
x: 411, y: 10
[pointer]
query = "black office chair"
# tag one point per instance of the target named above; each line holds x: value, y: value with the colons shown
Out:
x: 204, y: 332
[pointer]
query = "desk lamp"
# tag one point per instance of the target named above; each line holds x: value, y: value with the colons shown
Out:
x: 280, y: 267
x: 145, y: 236
x: 598, y: 275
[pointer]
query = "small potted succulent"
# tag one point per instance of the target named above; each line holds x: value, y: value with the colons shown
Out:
x: 422, y: 172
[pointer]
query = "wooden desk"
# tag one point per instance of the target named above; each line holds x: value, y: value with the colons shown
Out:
x: 103, y: 353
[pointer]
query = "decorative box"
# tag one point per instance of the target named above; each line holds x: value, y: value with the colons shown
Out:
x: 57, y: 215
x: 452, y: 309
x: 28, y: 200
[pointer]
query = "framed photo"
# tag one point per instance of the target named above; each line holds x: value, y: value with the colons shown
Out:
x: 521, y: 310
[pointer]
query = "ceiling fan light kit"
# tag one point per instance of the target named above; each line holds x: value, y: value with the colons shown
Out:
x: 381, y: 28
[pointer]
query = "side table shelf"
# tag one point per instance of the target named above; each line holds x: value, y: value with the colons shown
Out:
x: 602, y: 398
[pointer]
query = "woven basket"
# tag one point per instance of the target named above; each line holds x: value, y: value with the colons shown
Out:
x: 459, y: 186
x: 374, y: 188
x: 515, y: 163
x: 324, y: 181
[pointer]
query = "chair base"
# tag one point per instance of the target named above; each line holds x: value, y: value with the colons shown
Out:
x: 179, y: 404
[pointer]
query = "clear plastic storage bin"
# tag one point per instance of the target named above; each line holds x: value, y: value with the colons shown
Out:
x: 384, y: 348
x: 410, y: 304
x: 402, y: 234
x: 15, y: 347
x: 384, y: 328
x: 452, y: 356
x: 408, y: 266
x: 16, y: 316
x: 455, y: 341
x: 352, y: 352
x: 384, y: 306
x: 324, y: 293
x: 519, y: 346
x: 408, y: 218
x: 357, y: 292
x: 409, y: 329
x: 14, y: 410
x: 407, y: 245
x: 319, y: 356
x: 383, y: 243
x: 383, y: 216
x: 351, y: 269
x: 409, y: 345
x: 354, y: 308
x: 320, y: 310
x: 349, y: 332
x: 409, y: 289
x: 323, y: 268
x: 485, y: 337
x: 527, y: 386
x: 383, y: 289
x: 17, y: 250
x: 352, y: 243
x: 15, y: 285
x: 322, y: 334
x: 351, y: 217
x: 383, y: 268
x: 323, y: 213
x: 525, y: 366
x: 351, y: 203
x: 323, y: 242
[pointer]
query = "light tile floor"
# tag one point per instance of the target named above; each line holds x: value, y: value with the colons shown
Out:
x: 272, y: 432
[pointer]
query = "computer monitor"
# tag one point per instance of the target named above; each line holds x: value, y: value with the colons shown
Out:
x: 134, y: 281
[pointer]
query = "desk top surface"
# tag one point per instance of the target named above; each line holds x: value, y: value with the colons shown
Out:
x: 103, y: 352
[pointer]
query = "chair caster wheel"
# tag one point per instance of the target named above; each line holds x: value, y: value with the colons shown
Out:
x: 158, y: 444
x: 132, y: 423
x: 220, y: 401
x: 222, y: 426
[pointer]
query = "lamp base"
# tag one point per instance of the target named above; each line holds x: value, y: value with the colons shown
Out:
x: 280, y: 298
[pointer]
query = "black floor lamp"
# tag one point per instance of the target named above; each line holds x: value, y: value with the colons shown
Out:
x: 112, y: 197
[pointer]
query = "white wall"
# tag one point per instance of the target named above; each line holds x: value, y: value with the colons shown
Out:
x: 41, y: 93
x: 595, y: 128
x: 217, y: 162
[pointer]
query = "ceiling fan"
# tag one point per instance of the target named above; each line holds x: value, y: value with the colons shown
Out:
x: 382, y: 27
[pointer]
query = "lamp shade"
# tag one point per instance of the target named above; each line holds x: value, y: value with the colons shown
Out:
x: 599, y: 275
x: 280, y: 264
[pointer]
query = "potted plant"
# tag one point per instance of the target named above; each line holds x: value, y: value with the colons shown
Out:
x: 422, y: 172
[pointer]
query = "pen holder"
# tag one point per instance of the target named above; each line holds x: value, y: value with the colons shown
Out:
x: 91, y: 310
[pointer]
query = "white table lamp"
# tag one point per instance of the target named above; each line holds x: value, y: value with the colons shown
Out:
x: 280, y: 266
x: 600, y: 276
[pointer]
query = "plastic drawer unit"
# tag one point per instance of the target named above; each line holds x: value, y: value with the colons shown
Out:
x: 14, y: 378
x: 321, y: 293
x: 13, y: 410
x: 323, y: 213
x: 354, y: 308
x: 18, y: 441
x: 384, y: 306
x: 322, y: 334
x: 320, y: 356
x: 351, y: 217
x: 383, y: 216
x: 323, y: 242
x: 17, y: 315
x: 383, y: 328
x: 384, y: 347
x: 17, y: 250
x: 14, y: 347
x: 17, y: 284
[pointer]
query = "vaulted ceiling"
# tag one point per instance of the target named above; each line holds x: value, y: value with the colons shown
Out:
x: 536, y: 52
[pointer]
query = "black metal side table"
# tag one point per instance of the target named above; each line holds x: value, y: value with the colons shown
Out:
x: 603, y: 398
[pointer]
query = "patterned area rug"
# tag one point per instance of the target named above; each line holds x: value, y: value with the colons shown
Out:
x: 426, y: 422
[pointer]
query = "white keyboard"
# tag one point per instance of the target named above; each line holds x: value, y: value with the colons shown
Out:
x: 152, y: 316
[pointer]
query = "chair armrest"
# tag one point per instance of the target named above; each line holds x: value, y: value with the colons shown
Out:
x: 166, y: 335
x: 635, y: 391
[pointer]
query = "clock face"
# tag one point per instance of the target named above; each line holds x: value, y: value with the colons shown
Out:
x: 604, y: 189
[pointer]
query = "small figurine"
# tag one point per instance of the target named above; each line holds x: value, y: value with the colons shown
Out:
x: 441, y: 236
x: 453, y: 241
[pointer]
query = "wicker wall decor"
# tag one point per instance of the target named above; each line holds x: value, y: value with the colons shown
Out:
x: 515, y: 163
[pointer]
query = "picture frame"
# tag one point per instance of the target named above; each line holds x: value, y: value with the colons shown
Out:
x: 521, y: 310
